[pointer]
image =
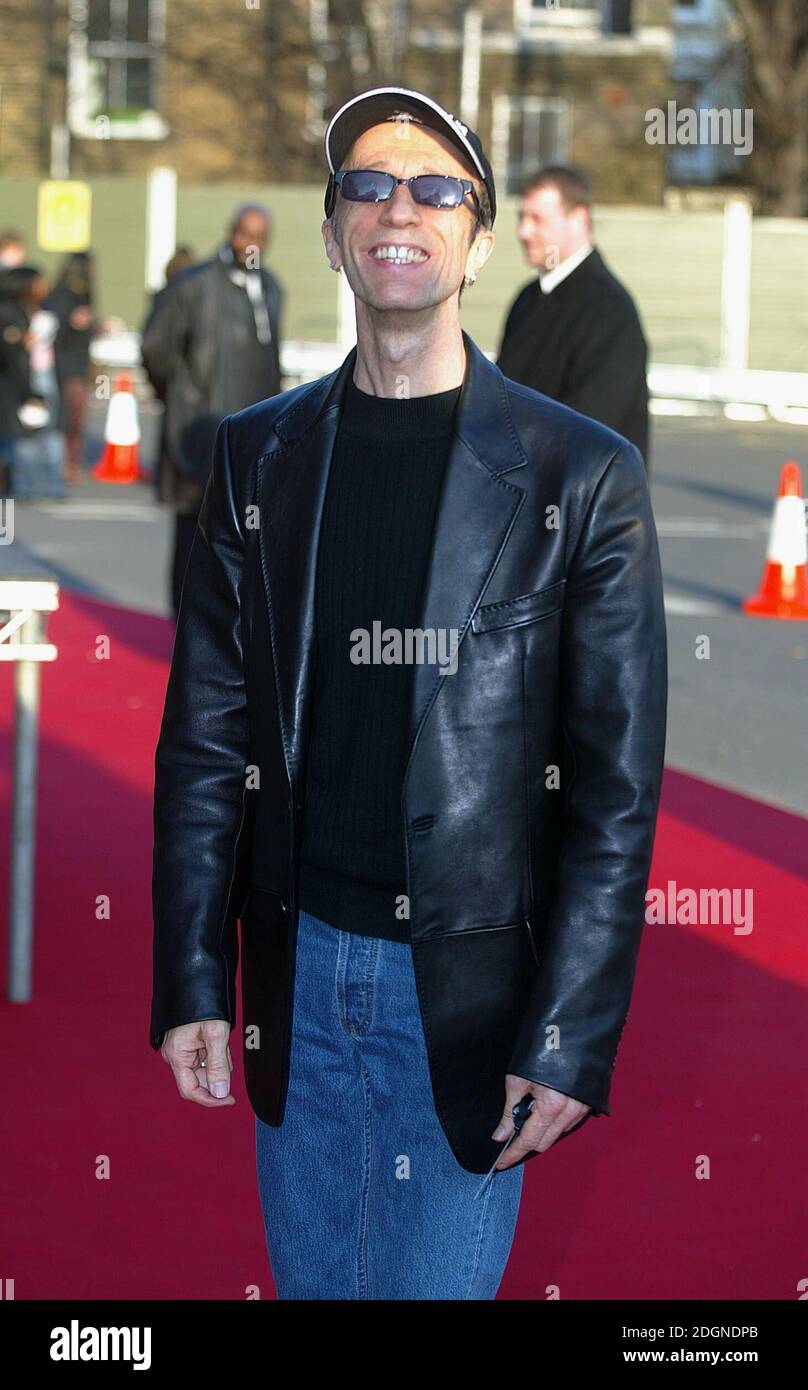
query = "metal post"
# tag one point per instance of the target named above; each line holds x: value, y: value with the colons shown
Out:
x: 24, y: 604
x: 23, y: 823
x: 161, y: 223
x: 470, y: 66
x: 736, y: 284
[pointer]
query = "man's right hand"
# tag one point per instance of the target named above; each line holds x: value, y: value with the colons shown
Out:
x: 199, y: 1057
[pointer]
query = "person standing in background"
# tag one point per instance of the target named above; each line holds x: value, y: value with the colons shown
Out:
x: 15, y: 366
x: 183, y: 258
x: 576, y: 335
x: 12, y: 250
x: 37, y: 446
x: 211, y: 348
x: 71, y: 300
x: 12, y: 254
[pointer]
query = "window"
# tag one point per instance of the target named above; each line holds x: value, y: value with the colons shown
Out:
x: 617, y: 17
x: 114, y: 51
x: 528, y: 14
x: 526, y: 133
x: 693, y: 12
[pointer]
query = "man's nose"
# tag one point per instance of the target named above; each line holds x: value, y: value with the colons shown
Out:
x: 400, y: 208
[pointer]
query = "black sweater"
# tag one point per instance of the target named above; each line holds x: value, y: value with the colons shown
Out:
x: 375, y: 543
x: 582, y: 344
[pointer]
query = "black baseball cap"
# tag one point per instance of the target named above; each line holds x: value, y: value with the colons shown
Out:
x: 388, y: 103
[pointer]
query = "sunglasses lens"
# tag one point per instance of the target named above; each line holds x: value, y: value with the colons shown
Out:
x: 376, y: 186
x: 367, y: 186
x: 437, y: 190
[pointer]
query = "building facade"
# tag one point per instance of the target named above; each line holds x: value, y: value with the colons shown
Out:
x: 243, y: 91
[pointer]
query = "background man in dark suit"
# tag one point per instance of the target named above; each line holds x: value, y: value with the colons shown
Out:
x: 576, y: 335
x: 211, y: 347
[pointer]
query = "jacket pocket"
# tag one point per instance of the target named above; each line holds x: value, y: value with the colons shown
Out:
x: 267, y: 899
x: 517, y: 612
x: 532, y: 939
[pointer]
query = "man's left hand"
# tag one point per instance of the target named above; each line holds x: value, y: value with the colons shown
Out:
x: 552, y: 1115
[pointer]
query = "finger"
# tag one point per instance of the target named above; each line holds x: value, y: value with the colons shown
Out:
x: 576, y: 1124
x: 190, y: 1089
x: 217, y: 1068
x: 539, y: 1133
x: 515, y: 1152
x: 513, y: 1094
x: 200, y: 1068
x: 505, y: 1128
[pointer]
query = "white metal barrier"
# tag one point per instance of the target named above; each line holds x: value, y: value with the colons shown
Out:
x: 781, y: 395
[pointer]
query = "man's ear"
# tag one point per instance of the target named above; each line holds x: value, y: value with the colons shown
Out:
x: 583, y: 221
x: 331, y: 244
x: 481, y: 249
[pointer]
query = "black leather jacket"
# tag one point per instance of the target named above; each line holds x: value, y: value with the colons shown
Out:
x: 530, y: 799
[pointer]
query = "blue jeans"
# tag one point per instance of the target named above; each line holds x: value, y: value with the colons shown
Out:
x: 361, y: 1194
x: 36, y: 465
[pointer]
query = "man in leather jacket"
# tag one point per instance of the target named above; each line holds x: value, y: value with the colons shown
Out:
x: 438, y: 862
x: 210, y: 347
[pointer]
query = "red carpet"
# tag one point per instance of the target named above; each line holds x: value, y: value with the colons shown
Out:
x: 710, y: 1069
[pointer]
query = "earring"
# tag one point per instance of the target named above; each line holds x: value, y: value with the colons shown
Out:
x: 338, y: 268
x: 469, y: 279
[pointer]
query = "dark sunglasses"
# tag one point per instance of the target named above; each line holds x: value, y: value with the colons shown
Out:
x: 375, y: 186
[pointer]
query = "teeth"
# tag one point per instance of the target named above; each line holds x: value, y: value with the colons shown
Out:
x: 399, y: 253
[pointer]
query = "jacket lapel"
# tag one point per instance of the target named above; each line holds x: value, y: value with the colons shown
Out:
x: 475, y: 515
x: 293, y: 476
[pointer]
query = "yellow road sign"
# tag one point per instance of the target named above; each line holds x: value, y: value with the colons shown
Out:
x: 63, y: 221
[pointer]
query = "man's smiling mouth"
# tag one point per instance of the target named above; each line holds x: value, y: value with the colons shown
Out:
x: 391, y: 254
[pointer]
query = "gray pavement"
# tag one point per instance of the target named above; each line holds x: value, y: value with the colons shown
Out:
x: 738, y: 718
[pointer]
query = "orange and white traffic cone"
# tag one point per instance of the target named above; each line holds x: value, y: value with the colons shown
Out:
x: 783, y: 591
x: 119, y: 461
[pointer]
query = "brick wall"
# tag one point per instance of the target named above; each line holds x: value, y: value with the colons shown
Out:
x: 234, y: 92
